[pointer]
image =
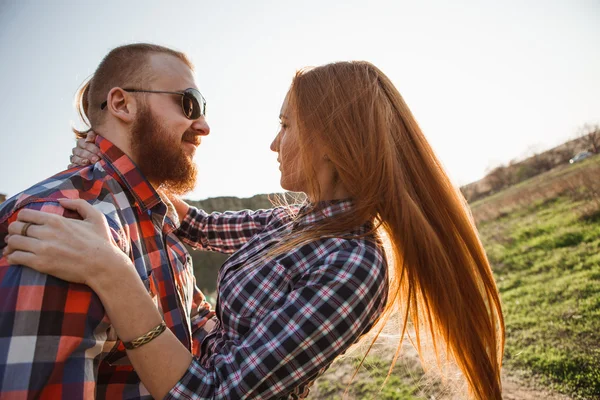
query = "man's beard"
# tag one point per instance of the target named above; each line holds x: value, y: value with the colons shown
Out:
x: 162, y: 162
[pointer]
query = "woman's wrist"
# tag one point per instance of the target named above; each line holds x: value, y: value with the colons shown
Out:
x: 126, y: 301
x: 113, y: 265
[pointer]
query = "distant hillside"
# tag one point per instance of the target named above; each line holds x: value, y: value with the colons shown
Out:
x: 517, y: 171
x: 2, y: 197
x: 234, y: 203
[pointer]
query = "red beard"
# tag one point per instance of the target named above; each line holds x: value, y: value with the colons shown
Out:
x: 162, y: 161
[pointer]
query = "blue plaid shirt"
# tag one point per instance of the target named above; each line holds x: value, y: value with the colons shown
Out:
x: 281, y: 321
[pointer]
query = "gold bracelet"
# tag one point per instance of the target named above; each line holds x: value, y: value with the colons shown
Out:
x: 146, y: 338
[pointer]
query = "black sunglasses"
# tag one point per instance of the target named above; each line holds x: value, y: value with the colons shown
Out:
x: 193, y: 103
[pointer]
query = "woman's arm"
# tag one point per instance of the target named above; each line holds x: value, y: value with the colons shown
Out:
x: 160, y: 363
x: 224, y: 232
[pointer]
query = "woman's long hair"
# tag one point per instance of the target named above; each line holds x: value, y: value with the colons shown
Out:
x: 439, y: 274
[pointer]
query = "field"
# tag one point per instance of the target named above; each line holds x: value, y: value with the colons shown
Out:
x: 543, y: 240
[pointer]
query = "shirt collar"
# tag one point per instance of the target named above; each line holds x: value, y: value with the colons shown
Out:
x: 314, y: 212
x: 127, y: 172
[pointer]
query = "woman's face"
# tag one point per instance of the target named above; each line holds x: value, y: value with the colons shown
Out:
x: 288, y: 149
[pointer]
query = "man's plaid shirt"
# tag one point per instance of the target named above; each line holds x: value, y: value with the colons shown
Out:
x: 281, y: 320
x: 56, y: 341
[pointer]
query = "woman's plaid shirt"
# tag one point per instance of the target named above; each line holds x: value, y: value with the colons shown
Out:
x: 55, y: 338
x: 281, y: 320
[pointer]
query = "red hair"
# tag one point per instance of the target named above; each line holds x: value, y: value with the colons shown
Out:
x: 439, y: 273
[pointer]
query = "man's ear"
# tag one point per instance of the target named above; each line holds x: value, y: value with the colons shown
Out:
x: 121, y: 104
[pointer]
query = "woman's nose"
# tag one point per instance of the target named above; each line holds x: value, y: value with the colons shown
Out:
x: 275, y: 144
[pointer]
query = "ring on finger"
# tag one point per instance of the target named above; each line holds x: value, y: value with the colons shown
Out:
x: 25, y: 228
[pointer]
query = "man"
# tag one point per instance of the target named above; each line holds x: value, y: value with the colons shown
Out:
x: 55, y: 339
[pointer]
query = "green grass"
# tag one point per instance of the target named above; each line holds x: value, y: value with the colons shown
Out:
x: 546, y: 259
x: 403, y: 384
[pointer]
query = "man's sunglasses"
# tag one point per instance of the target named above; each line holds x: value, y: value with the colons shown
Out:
x: 193, y: 103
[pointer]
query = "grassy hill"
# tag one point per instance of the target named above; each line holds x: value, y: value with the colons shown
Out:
x: 543, y: 240
x: 519, y: 170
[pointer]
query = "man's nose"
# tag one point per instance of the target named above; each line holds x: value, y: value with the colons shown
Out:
x: 201, y: 126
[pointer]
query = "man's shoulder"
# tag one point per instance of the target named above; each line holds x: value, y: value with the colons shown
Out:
x: 91, y: 183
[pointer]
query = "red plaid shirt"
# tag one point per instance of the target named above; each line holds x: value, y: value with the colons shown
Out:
x: 56, y: 341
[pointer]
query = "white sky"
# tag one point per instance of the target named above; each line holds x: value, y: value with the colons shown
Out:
x: 487, y: 80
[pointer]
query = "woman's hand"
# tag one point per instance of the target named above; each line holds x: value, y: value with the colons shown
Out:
x: 86, y: 151
x: 79, y: 251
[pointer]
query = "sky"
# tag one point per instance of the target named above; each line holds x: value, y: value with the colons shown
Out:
x: 487, y: 81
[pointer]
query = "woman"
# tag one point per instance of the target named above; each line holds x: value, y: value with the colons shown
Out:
x: 383, y: 230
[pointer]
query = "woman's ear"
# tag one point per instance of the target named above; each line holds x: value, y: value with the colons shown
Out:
x: 121, y: 105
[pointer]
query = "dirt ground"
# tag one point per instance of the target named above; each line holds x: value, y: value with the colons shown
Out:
x: 516, y: 386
